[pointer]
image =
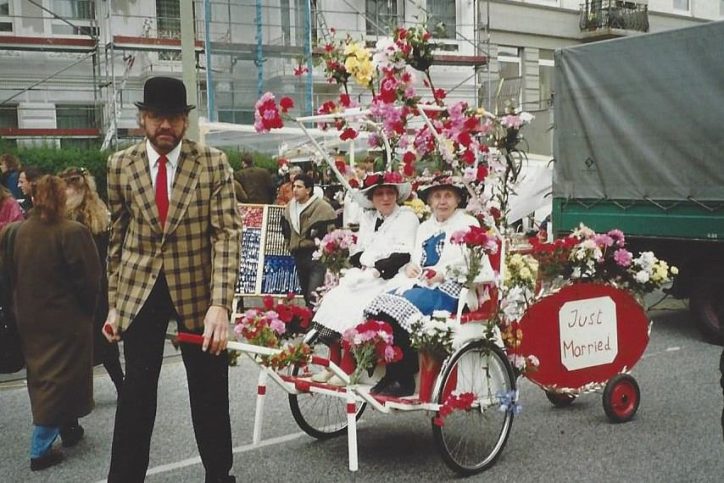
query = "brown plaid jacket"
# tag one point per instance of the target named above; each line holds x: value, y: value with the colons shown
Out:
x: 198, y: 250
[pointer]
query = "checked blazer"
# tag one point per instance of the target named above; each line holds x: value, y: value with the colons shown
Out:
x: 199, y: 248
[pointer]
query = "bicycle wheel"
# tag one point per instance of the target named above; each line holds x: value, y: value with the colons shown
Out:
x: 319, y: 415
x: 471, y: 440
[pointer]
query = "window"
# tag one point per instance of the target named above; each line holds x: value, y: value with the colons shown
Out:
x: 8, y: 116
x: 300, y: 22
x: 381, y: 16
x: 510, y: 75
x: 286, y: 21
x: 74, y: 9
x: 546, y: 71
x: 6, y: 23
x: 81, y: 13
x: 168, y: 15
x: 236, y: 116
x: 76, y: 116
x: 442, y: 12
x: 681, y: 5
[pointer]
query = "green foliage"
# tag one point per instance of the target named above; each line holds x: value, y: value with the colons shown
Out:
x: 52, y: 160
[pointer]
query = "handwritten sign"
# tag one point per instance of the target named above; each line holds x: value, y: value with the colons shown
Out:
x: 588, y: 334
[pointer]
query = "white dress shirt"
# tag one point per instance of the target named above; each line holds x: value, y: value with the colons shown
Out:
x: 171, y: 164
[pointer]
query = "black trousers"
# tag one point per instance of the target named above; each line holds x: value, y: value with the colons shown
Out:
x: 208, y: 383
x: 310, y: 273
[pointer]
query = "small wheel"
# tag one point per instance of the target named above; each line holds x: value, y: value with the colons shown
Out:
x: 621, y: 398
x: 471, y: 440
x: 319, y: 415
x: 560, y: 399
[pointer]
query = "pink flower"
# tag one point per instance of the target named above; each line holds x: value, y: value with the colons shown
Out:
x: 603, y: 240
x: 623, y: 257
x: 618, y: 237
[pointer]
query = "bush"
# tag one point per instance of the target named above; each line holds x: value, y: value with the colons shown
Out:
x: 52, y: 160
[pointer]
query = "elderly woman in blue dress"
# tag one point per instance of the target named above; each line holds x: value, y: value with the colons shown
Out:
x: 423, y: 286
x: 385, y: 241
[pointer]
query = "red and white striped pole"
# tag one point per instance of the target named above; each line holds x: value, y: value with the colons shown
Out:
x: 352, y: 431
x: 259, y: 412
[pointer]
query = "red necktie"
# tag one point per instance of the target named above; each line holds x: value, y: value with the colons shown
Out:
x: 162, y: 190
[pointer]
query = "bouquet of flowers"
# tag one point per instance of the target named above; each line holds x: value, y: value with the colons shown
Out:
x: 290, y: 355
x: 296, y: 318
x: 433, y: 334
x: 476, y: 243
x: 589, y: 256
x: 259, y: 327
x: 333, y: 250
x: 273, y: 323
x: 521, y: 270
x: 370, y: 343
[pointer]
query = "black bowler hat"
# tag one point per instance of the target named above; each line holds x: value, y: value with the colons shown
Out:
x: 165, y: 95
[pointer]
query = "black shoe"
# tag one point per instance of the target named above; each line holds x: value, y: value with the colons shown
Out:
x: 71, y: 435
x: 381, y: 385
x: 402, y: 388
x: 221, y: 479
x: 51, y: 458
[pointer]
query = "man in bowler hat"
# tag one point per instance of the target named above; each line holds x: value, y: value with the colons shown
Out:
x: 173, y: 255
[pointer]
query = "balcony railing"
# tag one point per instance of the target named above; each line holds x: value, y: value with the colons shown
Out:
x: 598, y: 15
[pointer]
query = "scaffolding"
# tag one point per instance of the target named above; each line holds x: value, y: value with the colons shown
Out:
x: 106, y: 50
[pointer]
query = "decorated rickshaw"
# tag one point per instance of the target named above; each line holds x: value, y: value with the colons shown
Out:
x: 560, y: 313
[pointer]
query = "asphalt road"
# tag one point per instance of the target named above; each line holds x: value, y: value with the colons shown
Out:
x: 675, y: 436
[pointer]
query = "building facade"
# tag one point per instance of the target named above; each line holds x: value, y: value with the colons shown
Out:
x: 70, y: 70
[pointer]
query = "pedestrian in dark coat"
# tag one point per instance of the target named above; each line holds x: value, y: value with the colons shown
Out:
x: 56, y: 281
x: 256, y: 182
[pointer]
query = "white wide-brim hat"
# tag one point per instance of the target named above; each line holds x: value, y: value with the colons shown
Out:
x: 375, y: 180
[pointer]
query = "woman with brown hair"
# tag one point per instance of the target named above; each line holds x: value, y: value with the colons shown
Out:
x: 55, y: 277
x: 85, y: 206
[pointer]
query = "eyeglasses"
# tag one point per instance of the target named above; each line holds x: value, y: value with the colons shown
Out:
x: 158, y: 118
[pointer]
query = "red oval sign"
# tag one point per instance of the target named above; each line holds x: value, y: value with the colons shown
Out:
x: 585, y: 333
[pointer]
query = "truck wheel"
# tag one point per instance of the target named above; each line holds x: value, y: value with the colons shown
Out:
x: 706, y: 302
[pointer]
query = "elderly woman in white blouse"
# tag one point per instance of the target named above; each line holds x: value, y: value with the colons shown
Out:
x: 386, y: 238
x: 424, y: 286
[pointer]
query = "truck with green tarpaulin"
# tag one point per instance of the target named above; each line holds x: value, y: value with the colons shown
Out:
x: 639, y: 145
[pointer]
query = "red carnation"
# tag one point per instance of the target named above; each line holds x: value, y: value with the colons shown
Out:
x: 409, y: 157
x: 468, y: 156
x: 408, y: 169
x: 348, y: 133
x: 482, y: 173
x: 268, y: 302
x: 286, y: 103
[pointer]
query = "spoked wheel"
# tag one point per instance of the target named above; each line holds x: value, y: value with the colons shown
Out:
x: 319, y: 415
x: 621, y: 398
x: 470, y: 440
x: 560, y: 399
